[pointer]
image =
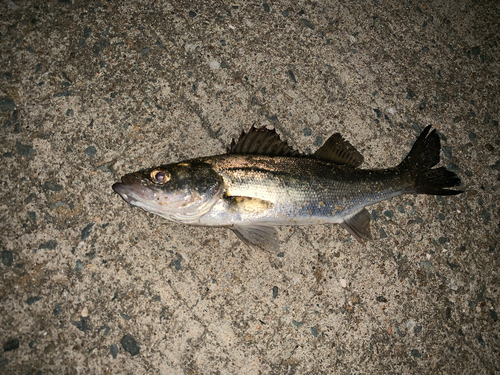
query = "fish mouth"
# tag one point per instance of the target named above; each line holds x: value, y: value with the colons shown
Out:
x: 121, y: 189
x: 129, y: 187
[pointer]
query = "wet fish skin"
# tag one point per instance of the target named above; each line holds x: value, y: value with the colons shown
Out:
x: 263, y: 182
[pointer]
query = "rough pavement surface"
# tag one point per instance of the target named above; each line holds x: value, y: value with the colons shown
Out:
x: 90, y: 91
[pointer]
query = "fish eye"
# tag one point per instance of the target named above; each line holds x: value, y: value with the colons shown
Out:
x: 159, y: 176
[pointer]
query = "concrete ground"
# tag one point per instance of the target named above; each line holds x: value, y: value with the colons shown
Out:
x: 90, y: 91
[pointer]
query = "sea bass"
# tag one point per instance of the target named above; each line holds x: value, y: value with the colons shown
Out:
x: 263, y: 182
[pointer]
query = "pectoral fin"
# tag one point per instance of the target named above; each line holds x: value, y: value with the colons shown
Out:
x: 264, y: 237
x: 359, y: 226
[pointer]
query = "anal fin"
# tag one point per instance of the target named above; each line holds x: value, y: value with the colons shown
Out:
x: 359, y: 226
x: 261, y: 236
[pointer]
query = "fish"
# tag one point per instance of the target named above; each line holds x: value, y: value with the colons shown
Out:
x: 262, y: 182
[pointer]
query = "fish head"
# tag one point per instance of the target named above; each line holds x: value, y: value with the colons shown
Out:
x: 181, y: 192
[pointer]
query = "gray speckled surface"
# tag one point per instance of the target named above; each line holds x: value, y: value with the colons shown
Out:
x: 89, y: 92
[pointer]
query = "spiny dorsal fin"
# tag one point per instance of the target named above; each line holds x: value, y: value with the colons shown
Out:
x: 337, y: 150
x: 261, y: 141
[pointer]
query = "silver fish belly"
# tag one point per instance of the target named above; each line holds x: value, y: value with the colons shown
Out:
x: 262, y: 182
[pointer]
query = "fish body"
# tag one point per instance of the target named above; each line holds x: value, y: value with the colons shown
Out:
x: 262, y: 182
x: 295, y: 191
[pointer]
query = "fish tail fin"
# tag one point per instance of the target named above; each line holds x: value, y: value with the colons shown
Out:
x: 418, y: 164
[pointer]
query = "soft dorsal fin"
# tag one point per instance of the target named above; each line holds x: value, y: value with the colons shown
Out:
x: 337, y: 150
x: 261, y: 141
